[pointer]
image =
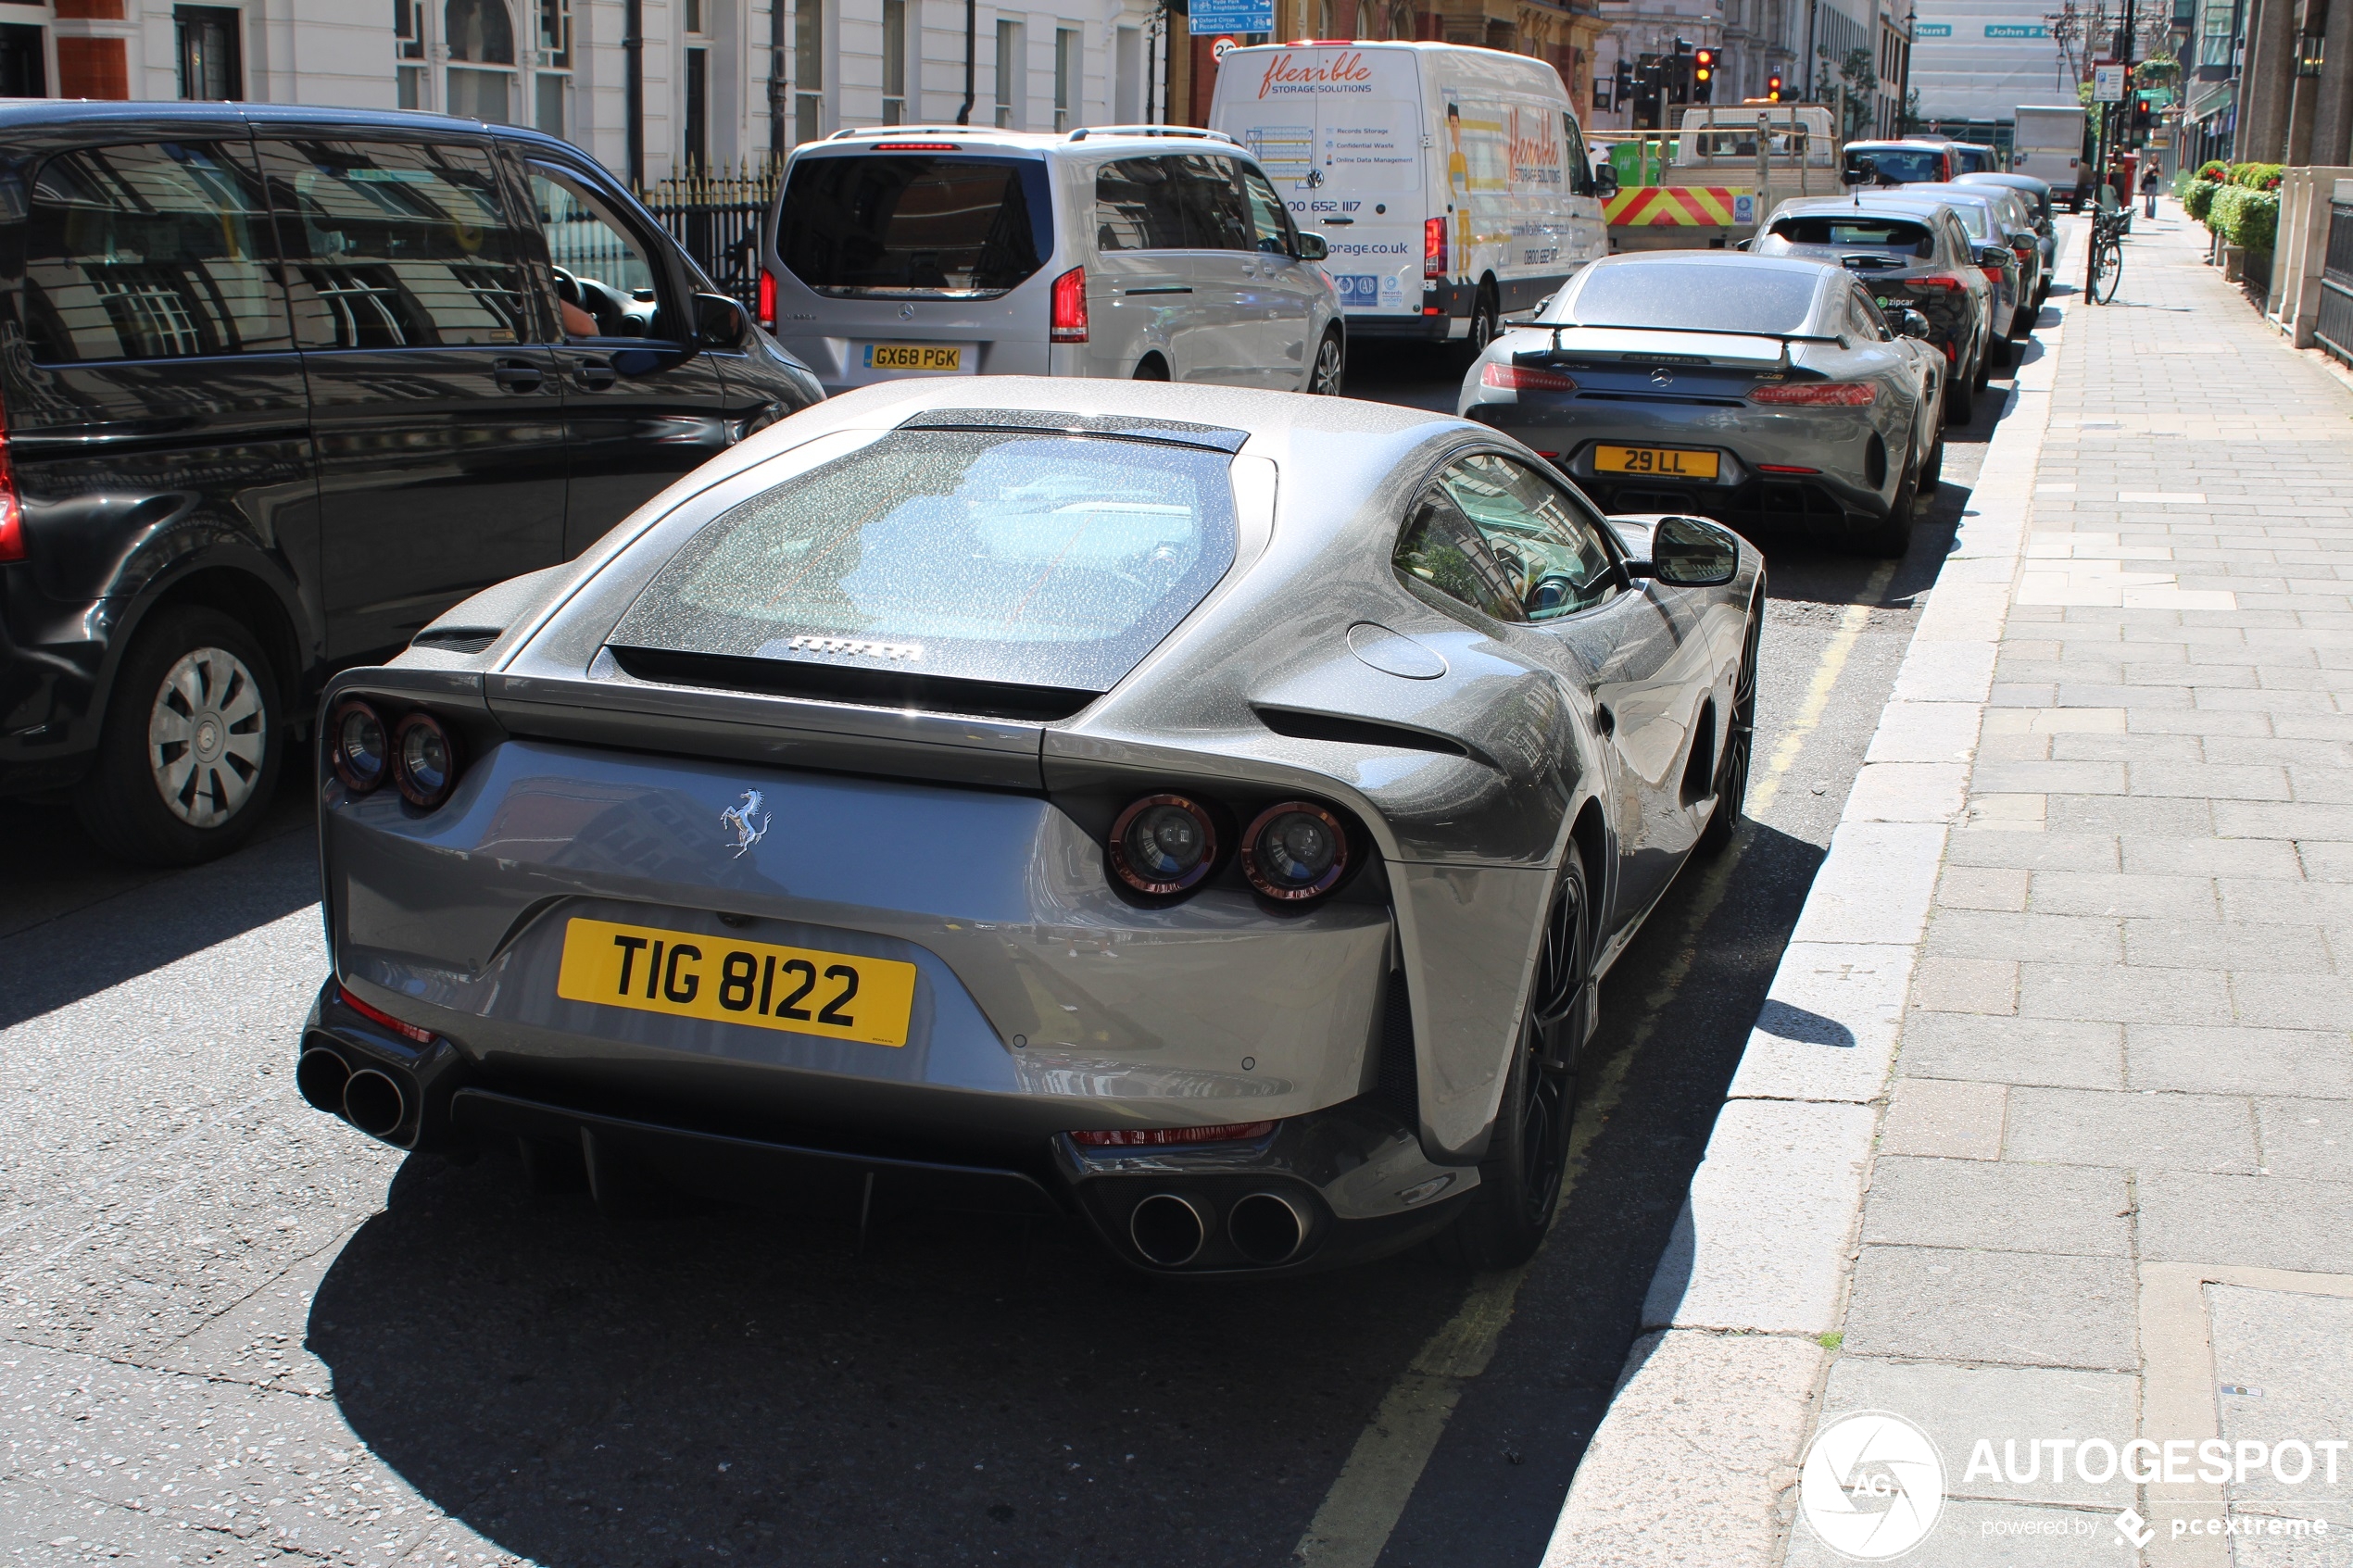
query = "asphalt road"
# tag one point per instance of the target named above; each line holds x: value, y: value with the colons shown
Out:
x: 232, y: 1329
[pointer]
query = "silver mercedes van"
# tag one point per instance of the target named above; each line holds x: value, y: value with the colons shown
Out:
x: 1160, y: 253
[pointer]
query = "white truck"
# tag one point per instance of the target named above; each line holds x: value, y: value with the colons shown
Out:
x: 1452, y: 183
x: 2048, y: 145
x: 1727, y: 166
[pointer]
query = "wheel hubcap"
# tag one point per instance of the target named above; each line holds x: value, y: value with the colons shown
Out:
x: 207, y: 737
x: 1743, y: 739
x: 1327, y: 368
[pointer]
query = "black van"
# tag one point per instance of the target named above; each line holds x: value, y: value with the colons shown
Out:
x: 279, y: 385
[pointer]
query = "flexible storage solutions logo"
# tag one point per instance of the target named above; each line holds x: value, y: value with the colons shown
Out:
x: 1872, y: 1486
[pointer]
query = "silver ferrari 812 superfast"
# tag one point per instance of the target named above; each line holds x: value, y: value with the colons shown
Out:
x: 1205, y: 814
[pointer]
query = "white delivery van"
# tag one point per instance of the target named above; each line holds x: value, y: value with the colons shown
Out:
x: 1451, y: 185
x: 2048, y: 145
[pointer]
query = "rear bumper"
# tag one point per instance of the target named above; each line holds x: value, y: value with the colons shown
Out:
x: 1353, y: 1175
x: 50, y: 668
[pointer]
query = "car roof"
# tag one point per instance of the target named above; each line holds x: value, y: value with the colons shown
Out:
x: 2004, y: 177
x: 1894, y: 199
x: 1919, y: 143
x: 988, y: 138
x: 1711, y: 258
x: 47, y: 114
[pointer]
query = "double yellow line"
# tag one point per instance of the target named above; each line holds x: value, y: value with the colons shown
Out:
x: 1370, y: 1496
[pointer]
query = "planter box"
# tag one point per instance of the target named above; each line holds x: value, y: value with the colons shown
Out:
x: 2234, y: 263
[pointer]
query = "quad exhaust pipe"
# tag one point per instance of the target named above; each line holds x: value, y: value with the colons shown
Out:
x: 375, y: 1102
x: 1170, y: 1229
x: 1267, y: 1228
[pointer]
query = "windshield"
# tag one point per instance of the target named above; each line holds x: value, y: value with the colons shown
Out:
x: 1899, y: 166
x: 1857, y: 229
x: 1975, y: 216
x: 891, y: 223
x: 1051, y: 560
x: 1751, y: 297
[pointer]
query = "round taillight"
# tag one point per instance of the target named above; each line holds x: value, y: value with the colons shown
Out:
x: 1294, y: 850
x: 1163, y: 844
x: 424, y: 760
x: 357, y: 748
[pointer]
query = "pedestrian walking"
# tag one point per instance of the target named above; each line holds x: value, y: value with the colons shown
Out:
x: 2148, y: 191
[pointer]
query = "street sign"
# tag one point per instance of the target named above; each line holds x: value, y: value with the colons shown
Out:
x: 1230, y: 16
x: 2108, y: 85
x: 1224, y: 41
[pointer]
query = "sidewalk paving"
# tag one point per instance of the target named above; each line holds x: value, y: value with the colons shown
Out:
x: 2110, y: 1194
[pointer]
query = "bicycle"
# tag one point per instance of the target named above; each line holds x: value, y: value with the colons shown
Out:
x: 2108, y: 256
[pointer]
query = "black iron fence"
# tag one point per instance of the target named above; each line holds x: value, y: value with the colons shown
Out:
x: 718, y: 218
x: 2334, y: 328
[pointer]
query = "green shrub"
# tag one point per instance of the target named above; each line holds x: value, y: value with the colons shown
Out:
x: 2257, y: 176
x: 2245, y: 217
x: 2213, y: 168
x: 2198, y: 200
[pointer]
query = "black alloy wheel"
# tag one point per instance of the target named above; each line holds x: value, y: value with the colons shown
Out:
x: 1933, y: 471
x: 1740, y: 741
x: 1890, y: 538
x: 1527, y: 1161
x: 1960, y: 395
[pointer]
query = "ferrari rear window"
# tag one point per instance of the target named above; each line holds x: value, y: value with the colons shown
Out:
x: 1756, y: 297
x: 1013, y: 558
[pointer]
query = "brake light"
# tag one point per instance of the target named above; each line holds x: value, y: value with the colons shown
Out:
x: 1952, y: 355
x: 1163, y: 1138
x: 916, y: 146
x: 1783, y: 467
x: 1935, y: 281
x: 1070, y: 306
x: 1992, y: 274
x: 378, y: 1015
x: 1817, y: 393
x: 1434, y: 247
x: 768, y: 299
x: 12, y: 541
x: 1524, y: 378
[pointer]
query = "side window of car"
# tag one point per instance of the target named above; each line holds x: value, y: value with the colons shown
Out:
x: 397, y: 244
x: 159, y: 251
x: 1136, y: 206
x: 607, y: 283
x: 1551, y: 552
x: 1866, y: 318
x: 1441, y: 548
x: 1215, y: 217
x: 1269, y: 224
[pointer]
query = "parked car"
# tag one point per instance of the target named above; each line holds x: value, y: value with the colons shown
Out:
x: 1152, y: 252
x: 1186, y: 810
x: 285, y: 385
x: 1738, y: 387
x: 1922, y: 259
x: 2036, y: 195
x: 1997, y: 219
x: 2048, y: 145
x: 1451, y: 183
x: 1904, y: 162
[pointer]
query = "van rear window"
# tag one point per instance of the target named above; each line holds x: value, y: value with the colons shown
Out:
x: 1899, y: 166
x: 894, y: 223
x: 1006, y: 557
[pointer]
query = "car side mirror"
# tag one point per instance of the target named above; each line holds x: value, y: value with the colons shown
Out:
x: 1911, y: 323
x: 1312, y: 248
x: 720, y: 322
x: 1743, y: 244
x: 1687, y: 552
x: 1855, y: 175
x: 1605, y: 182
x: 1994, y: 255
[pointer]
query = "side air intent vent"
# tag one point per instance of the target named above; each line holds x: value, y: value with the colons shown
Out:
x: 457, y: 639
x: 1354, y: 732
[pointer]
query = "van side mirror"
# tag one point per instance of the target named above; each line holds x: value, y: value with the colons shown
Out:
x: 1312, y: 248
x: 1689, y: 553
x: 1856, y: 174
x: 720, y: 322
x: 1605, y: 182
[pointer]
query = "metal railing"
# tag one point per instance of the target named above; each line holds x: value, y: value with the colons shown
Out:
x: 2334, y: 327
x: 718, y: 218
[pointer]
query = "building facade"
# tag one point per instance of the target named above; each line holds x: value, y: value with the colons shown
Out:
x: 652, y: 88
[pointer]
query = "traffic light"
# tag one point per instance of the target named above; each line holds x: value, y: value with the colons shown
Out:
x: 1625, y: 97
x: 1704, y: 77
x: 1773, y: 89
x: 1678, y: 72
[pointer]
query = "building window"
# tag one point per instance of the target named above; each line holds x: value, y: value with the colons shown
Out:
x: 481, y: 35
x: 1065, y: 75
x: 23, y: 72
x: 555, y: 65
x: 694, y: 14
x: 697, y: 149
x: 1009, y: 75
x: 894, y: 62
x: 808, y: 70
x: 408, y: 43
x: 209, y: 67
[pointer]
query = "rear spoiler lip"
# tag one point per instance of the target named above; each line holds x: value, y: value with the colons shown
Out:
x: 1779, y: 360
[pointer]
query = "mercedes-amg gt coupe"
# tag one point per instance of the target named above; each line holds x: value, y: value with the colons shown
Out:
x: 1201, y: 814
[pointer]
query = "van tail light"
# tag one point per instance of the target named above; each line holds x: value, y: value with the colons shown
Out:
x: 1070, y: 306
x: 1524, y: 378
x: 1434, y: 247
x: 768, y: 299
x: 12, y: 545
x: 1817, y: 393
